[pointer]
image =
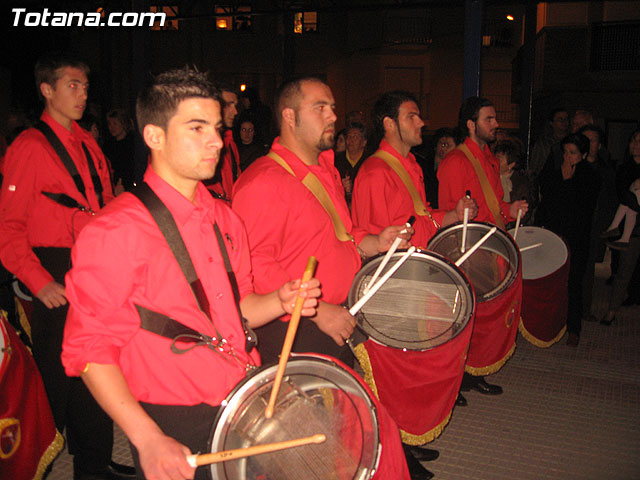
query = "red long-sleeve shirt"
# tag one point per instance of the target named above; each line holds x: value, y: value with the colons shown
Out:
x: 121, y: 259
x: 381, y: 199
x: 286, y: 224
x: 230, y: 156
x: 456, y: 175
x: 28, y: 218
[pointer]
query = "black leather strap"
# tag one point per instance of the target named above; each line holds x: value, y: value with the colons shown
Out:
x: 169, y: 229
x: 66, y: 160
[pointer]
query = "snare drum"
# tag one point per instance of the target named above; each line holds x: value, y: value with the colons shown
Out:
x: 417, y: 329
x: 317, y: 395
x: 29, y: 440
x: 495, y: 272
x: 545, y: 277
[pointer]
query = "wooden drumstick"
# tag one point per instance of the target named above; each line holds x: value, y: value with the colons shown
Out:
x: 515, y: 232
x: 365, y: 298
x: 217, y: 457
x: 385, y: 260
x: 476, y: 246
x: 288, y: 339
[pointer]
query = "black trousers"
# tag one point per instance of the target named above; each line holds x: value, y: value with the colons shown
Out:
x: 89, y: 430
x: 192, y: 426
x: 309, y: 338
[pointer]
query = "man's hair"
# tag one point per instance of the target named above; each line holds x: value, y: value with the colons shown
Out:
x: 289, y: 95
x: 577, y: 139
x: 120, y: 115
x: 388, y: 105
x: 47, y: 69
x: 593, y: 128
x: 158, y: 102
x: 470, y: 110
x: 442, y: 133
x: 555, y: 111
x: 509, y: 149
x: 357, y: 126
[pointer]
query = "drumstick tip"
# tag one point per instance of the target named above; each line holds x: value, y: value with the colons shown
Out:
x: 319, y: 438
x: 268, y: 412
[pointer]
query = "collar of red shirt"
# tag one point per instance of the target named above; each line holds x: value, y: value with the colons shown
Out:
x: 325, y: 160
x: 475, y: 149
x: 75, y: 135
x: 181, y: 208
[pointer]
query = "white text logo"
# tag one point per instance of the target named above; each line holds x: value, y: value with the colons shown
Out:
x: 88, y: 19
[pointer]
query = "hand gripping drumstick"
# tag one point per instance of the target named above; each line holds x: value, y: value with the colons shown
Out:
x: 217, y: 457
x: 476, y: 246
x: 387, y: 257
x: 365, y: 298
x: 515, y: 232
x: 288, y: 339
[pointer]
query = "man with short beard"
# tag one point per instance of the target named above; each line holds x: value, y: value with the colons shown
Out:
x: 457, y: 174
x: 287, y: 222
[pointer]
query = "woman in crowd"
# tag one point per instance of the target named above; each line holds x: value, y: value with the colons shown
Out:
x: 569, y: 195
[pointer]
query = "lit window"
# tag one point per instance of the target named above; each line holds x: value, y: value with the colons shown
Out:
x: 305, y: 22
x: 171, y: 21
x: 233, y: 18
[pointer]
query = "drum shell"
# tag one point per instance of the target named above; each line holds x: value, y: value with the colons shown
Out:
x: 30, y: 439
x: 545, y: 300
x: 304, y: 365
x: 497, y: 312
x: 418, y: 387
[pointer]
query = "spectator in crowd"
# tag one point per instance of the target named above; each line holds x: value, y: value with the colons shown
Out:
x: 246, y: 138
x: 549, y: 142
x: 119, y: 148
x: 349, y: 162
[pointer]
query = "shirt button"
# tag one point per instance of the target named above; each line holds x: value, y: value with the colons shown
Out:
x: 219, y: 296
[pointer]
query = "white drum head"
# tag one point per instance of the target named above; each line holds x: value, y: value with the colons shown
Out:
x: 540, y: 261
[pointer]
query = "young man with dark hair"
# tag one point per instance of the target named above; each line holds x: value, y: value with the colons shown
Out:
x: 381, y: 196
x: 126, y: 288
x: 229, y: 169
x: 472, y: 167
x: 55, y: 179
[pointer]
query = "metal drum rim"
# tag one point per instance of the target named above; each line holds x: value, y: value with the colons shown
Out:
x: 423, y: 254
x: 505, y: 284
x: 245, y: 384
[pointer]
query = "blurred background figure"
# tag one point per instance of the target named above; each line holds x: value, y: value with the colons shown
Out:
x: 349, y: 161
x: 119, y: 149
x: 246, y: 136
x: 515, y: 182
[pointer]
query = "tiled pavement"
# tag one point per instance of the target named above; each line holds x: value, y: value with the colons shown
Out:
x: 566, y: 413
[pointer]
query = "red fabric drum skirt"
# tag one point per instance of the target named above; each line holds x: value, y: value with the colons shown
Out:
x: 29, y: 440
x: 418, y: 326
x: 545, y: 274
x: 494, y: 270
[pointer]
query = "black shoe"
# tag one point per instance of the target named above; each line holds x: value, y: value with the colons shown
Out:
x: 119, y: 471
x: 607, y: 234
x: 608, y: 321
x: 617, y: 245
x: 424, y: 454
x: 573, y: 339
x: 479, y: 384
x: 416, y: 470
x: 461, y: 401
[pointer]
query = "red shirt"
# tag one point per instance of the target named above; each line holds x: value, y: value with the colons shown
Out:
x: 229, y: 157
x: 381, y: 199
x: 28, y: 218
x: 456, y: 175
x: 286, y: 224
x: 122, y: 259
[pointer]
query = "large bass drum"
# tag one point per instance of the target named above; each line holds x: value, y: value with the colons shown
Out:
x: 412, y: 340
x: 545, y: 276
x: 494, y: 269
x: 317, y: 395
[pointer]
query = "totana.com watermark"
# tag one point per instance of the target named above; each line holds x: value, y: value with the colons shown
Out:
x: 22, y: 18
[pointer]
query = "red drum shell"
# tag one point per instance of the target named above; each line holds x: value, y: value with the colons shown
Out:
x: 545, y: 298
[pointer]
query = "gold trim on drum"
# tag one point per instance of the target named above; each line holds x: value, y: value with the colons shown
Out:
x: 410, y: 439
x: 488, y: 370
x: 528, y: 336
x: 49, y: 455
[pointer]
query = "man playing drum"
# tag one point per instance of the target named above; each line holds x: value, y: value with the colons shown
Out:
x: 124, y: 273
x: 472, y: 166
x: 293, y: 205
